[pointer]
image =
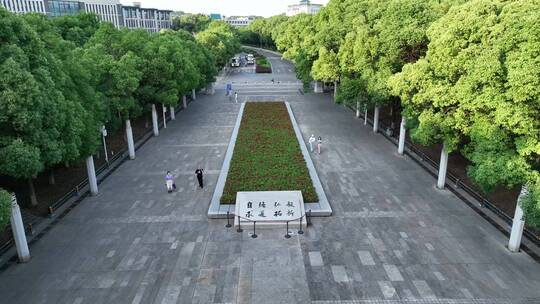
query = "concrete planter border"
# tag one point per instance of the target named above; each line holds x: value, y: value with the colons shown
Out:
x: 217, y: 210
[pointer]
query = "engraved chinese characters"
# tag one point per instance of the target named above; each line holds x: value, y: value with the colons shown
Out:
x: 278, y: 210
x: 269, y: 208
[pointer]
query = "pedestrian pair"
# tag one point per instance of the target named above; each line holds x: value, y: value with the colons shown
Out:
x: 171, y: 185
x: 312, y: 140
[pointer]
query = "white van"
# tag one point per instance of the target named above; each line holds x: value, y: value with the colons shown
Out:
x: 235, y: 62
x: 250, y: 59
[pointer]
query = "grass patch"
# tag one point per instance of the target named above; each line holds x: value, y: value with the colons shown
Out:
x: 262, y: 65
x: 262, y: 61
x: 267, y: 155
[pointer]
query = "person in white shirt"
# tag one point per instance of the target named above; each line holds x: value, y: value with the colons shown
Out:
x: 311, y: 141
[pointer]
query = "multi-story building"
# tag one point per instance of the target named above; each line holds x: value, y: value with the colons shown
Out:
x: 151, y: 19
x: 107, y: 10
x: 305, y: 6
x: 24, y: 6
x: 57, y: 8
x: 164, y: 19
x: 240, y: 21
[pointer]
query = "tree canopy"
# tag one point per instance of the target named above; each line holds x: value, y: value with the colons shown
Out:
x: 478, y: 87
x: 221, y: 39
x: 192, y: 23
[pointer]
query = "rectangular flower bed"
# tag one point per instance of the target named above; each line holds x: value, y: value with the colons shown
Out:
x: 267, y: 155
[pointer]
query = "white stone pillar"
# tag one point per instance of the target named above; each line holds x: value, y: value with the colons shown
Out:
x: 358, y: 109
x: 376, y: 119
x: 442, y: 168
x: 184, y: 101
x: 402, y: 132
x: 18, y: 231
x: 518, y: 223
x: 164, y: 117
x: 318, y: 87
x: 129, y: 136
x: 92, y: 180
x: 365, y: 115
x: 193, y: 95
x: 154, y: 120
x: 173, y: 115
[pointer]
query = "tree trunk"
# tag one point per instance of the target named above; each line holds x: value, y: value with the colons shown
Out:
x: 155, y: 120
x: 52, y: 181
x: 376, y: 119
x: 365, y: 115
x: 514, y: 243
x: 335, y: 90
x: 33, y: 197
x: 129, y: 135
x: 173, y: 115
x: 91, y: 171
x: 402, y: 132
x: 19, y: 235
x: 441, y: 181
x: 164, y: 110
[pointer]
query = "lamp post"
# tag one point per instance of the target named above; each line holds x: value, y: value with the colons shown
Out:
x: 104, y: 134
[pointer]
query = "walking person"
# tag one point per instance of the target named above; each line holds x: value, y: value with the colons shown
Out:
x: 236, y: 97
x: 169, y: 181
x: 199, y: 173
x: 311, y: 141
x: 319, y: 143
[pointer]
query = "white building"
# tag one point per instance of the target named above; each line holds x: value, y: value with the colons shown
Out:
x: 151, y: 19
x: 132, y: 17
x: 240, y: 21
x: 24, y: 6
x: 107, y: 10
x: 305, y: 6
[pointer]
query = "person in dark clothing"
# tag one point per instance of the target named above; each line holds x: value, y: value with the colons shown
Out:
x: 199, y: 173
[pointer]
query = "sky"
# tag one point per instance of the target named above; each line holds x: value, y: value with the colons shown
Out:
x: 265, y: 8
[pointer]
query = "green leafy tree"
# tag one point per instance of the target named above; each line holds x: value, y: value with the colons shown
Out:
x: 193, y: 23
x: 260, y: 31
x: 77, y: 29
x: 479, y: 87
x: 221, y: 40
x: 31, y: 103
x: 117, y: 73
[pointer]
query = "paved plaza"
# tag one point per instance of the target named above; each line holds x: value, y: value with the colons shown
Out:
x: 393, y: 237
